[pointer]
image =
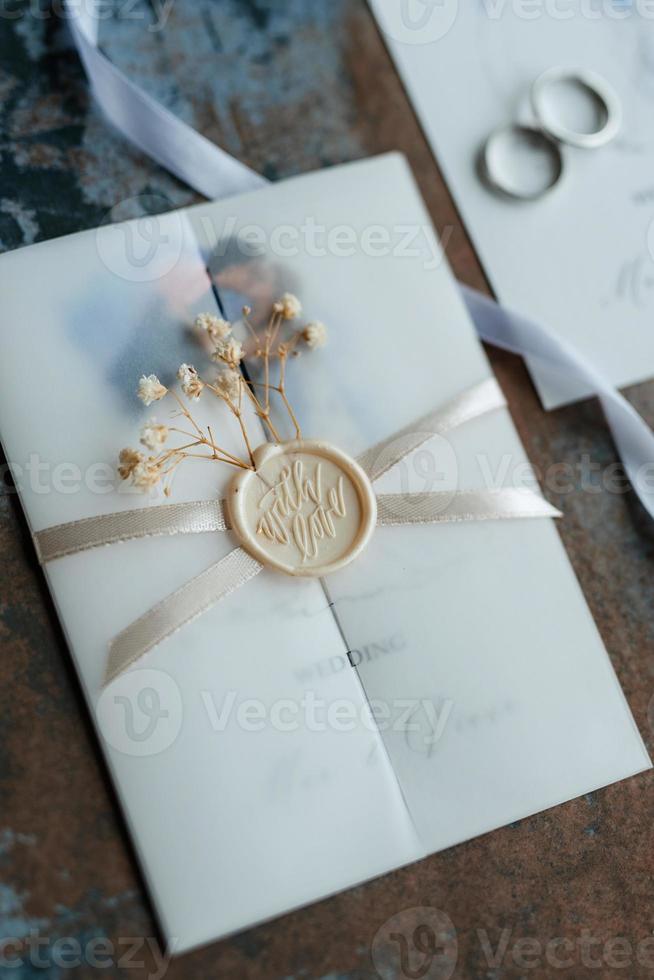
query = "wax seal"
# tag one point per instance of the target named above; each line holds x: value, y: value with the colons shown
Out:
x: 307, y: 509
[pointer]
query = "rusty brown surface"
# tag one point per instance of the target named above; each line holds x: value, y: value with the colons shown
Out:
x: 66, y: 868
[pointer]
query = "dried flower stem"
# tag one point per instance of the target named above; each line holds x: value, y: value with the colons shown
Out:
x: 244, y: 430
x: 241, y: 421
x: 272, y: 329
x: 237, y: 412
x: 224, y: 455
x: 212, y: 440
x: 253, y: 332
x: 216, y: 453
x: 274, y: 342
x: 242, y: 466
x: 186, y: 413
x: 261, y: 410
x: 282, y: 392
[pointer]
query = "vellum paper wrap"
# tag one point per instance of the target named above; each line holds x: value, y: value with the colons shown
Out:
x: 475, y: 632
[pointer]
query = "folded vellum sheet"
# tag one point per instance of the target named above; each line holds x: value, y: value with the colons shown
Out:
x: 251, y: 774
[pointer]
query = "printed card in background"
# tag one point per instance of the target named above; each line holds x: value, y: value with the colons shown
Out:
x: 242, y: 748
x: 581, y: 259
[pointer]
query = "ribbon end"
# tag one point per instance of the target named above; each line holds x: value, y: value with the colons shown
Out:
x: 553, y: 512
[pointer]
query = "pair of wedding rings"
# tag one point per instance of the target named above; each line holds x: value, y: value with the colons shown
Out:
x: 545, y: 137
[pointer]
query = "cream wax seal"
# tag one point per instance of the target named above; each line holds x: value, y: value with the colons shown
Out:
x: 308, y: 509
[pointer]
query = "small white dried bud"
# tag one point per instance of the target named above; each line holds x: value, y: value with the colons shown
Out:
x: 191, y: 384
x: 153, y: 435
x: 229, y: 351
x: 289, y: 306
x: 150, y: 389
x: 146, y: 475
x: 215, y: 326
x: 229, y: 385
x: 128, y: 460
x: 315, y: 335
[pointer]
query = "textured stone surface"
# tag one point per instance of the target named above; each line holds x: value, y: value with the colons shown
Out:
x: 287, y: 87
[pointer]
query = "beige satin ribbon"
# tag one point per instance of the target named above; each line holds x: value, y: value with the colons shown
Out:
x: 178, y: 609
x: 223, y: 577
x: 470, y: 404
x: 209, y: 515
x: 201, y: 516
x: 508, y: 503
x: 143, y: 522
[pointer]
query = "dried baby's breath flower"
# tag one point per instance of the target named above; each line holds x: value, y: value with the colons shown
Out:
x: 229, y: 385
x: 146, y: 474
x: 229, y: 351
x: 215, y: 326
x: 274, y: 343
x: 128, y: 460
x: 191, y: 384
x: 153, y: 435
x: 315, y: 335
x: 150, y: 389
x: 289, y: 306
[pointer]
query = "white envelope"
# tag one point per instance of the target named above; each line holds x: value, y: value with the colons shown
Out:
x: 242, y: 748
x: 581, y: 259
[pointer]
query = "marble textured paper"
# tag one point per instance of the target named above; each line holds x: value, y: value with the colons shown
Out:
x: 580, y: 260
x: 242, y: 749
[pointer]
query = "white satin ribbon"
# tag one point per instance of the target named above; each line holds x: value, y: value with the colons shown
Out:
x: 633, y: 438
x: 215, y: 174
x: 150, y: 126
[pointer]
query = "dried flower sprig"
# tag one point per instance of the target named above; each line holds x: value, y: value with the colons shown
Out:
x: 315, y: 335
x: 151, y: 389
x: 274, y: 344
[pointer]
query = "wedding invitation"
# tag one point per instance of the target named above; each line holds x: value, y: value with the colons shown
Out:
x: 304, y: 734
x: 581, y: 259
